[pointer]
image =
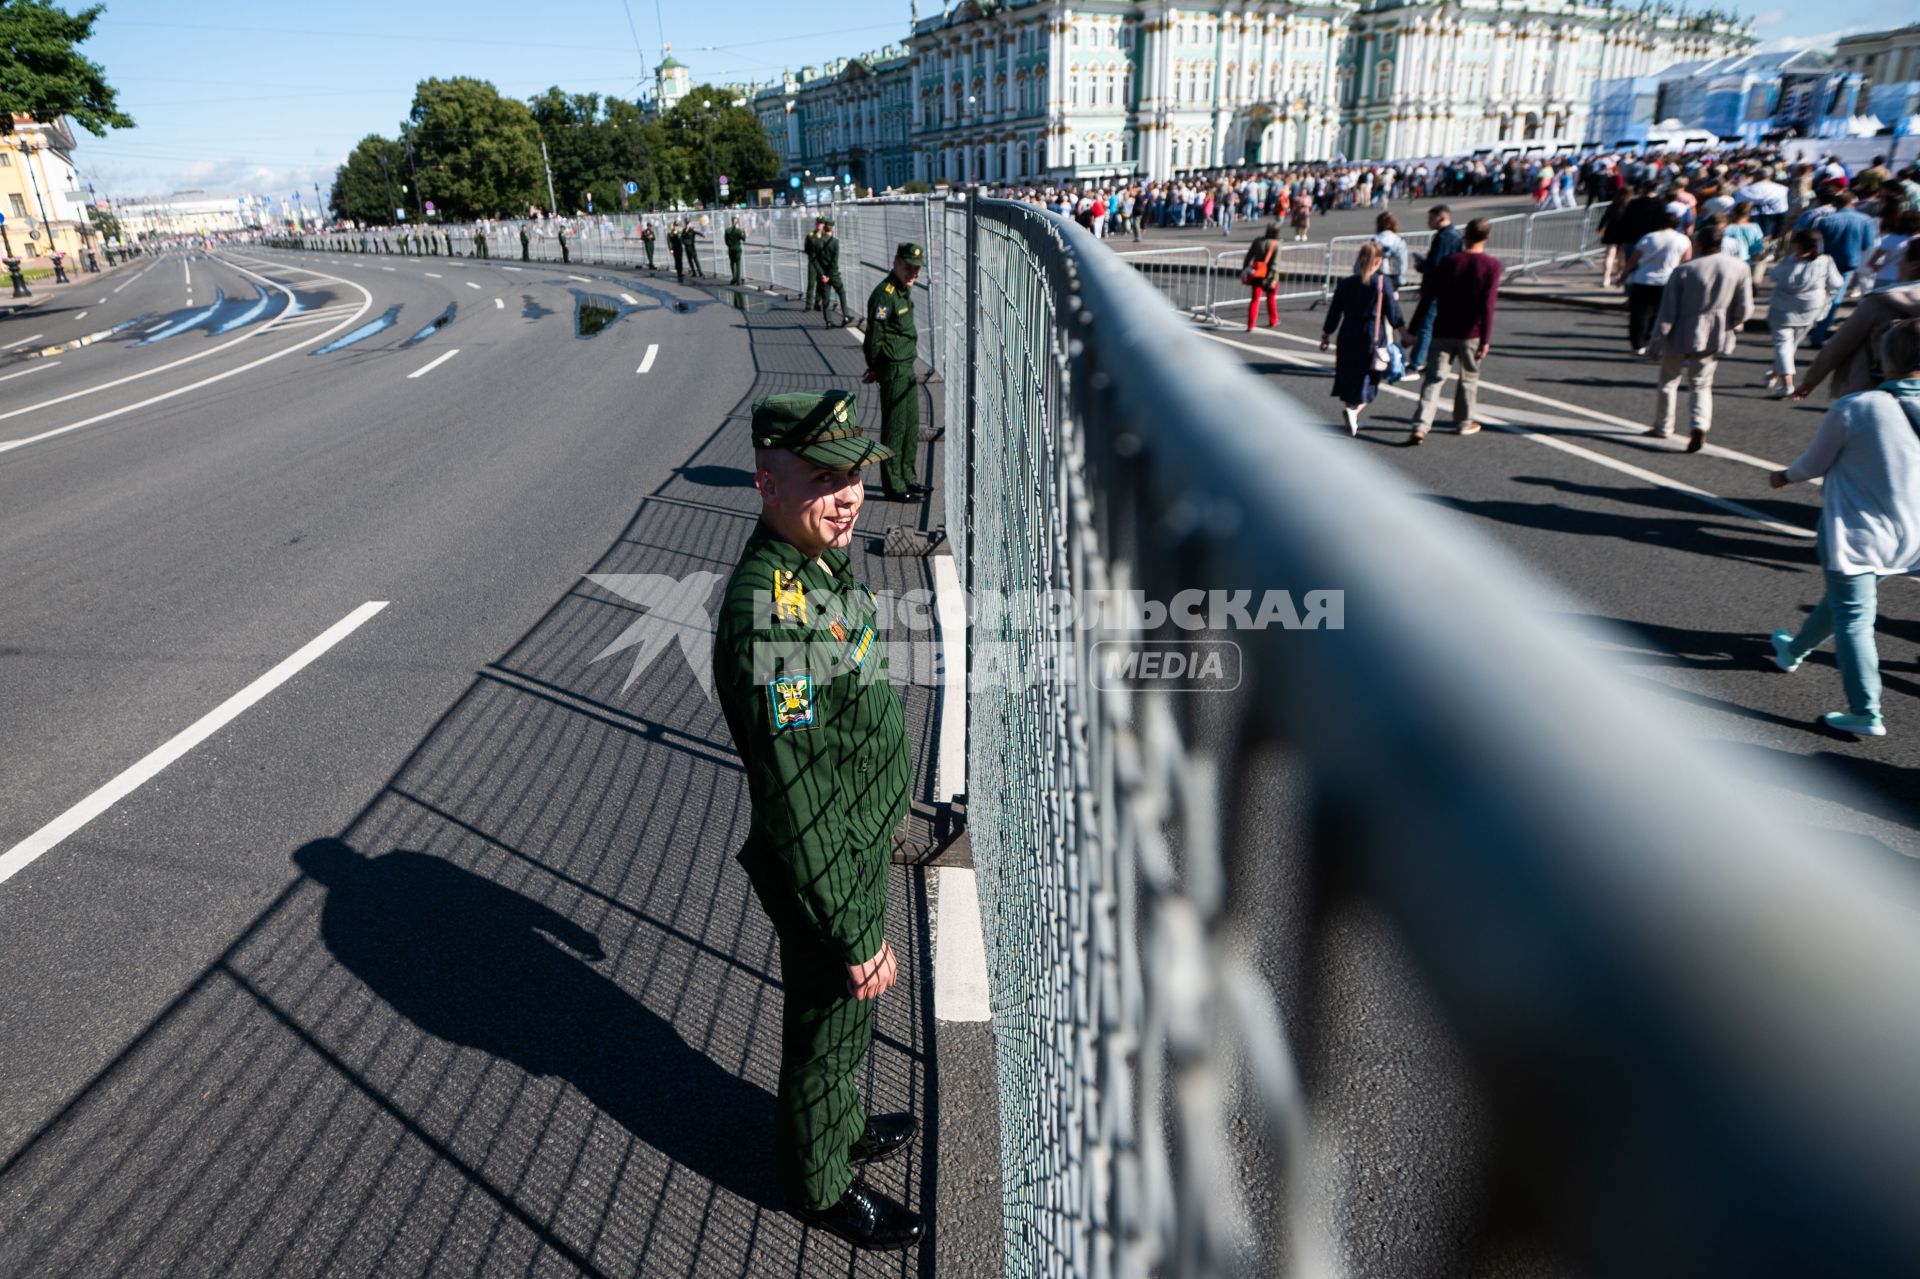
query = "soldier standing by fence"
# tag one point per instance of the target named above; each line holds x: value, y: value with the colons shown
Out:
x: 810, y: 256
x: 677, y: 247
x: 822, y: 737
x: 526, y: 245
x: 828, y: 253
x: 646, y: 243
x: 690, y: 241
x: 736, y: 244
x: 892, y: 342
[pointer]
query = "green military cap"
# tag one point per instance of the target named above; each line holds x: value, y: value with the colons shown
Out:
x: 911, y: 253
x: 825, y: 221
x: 821, y: 426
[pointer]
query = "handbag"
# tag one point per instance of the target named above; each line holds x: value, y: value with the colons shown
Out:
x: 1388, y: 358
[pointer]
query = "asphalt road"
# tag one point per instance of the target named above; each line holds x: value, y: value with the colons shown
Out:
x: 433, y: 958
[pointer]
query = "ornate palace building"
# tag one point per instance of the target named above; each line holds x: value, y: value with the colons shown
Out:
x: 1029, y: 90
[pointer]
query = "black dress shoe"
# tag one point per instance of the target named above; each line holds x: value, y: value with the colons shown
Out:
x: 920, y: 490
x: 885, y: 1137
x: 866, y: 1219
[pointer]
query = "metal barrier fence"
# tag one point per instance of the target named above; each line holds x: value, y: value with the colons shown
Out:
x: 1693, y: 1022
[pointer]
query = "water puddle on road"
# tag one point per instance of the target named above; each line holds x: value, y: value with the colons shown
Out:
x: 589, y: 319
x: 191, y: 320
x: 741, y: 300
x: 433, y: 326
x: 532, y: 310
x: 361, y: 334
x: 261, y: 301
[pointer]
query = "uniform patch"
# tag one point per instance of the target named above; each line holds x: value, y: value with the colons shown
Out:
x: 858, y: 655
x: 839, y: 629
x: 790, y: 697
x: 879, y: 312
x: 789, y: 597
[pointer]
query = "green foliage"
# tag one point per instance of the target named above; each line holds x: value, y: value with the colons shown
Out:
x: 475, y: 153
x: 915, y: 187
x: 42, y: 74
x: 365, y: 191
x: 106, y: 223
x: 740, y: 148
x: 597, y: 145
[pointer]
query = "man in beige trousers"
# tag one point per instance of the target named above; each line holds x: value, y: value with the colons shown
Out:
x: 1706, y: 302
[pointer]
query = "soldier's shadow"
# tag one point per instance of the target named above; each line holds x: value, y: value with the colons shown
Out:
x: 478, y: 964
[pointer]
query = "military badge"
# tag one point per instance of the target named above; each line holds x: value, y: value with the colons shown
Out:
x: 790, y: 698
x: 840, y: 411
x: 789, y: 597
x: 839, y: 629
x: 858, y: 656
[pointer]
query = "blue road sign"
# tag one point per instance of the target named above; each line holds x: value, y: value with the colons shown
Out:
x: 633, y: 188
x: 3, y: 219
x: 794, y: 181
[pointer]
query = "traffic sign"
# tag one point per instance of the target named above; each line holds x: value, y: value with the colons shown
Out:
x: 794, y: 182
x: 3, y: 219
x: 723, y: 188
x: 430, y: 208
x: 633, y: 188
x: 400, y: 214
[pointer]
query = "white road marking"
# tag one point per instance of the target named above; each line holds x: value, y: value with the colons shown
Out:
x: 386, y: 268
x: 268, y: 327
x: 22, y: 342
x: 136, y: 275
x: 583, y: 279
x: 432, y: 364
x: 513, y: 268
x: 472, y: 285
x: 31, y: 368
x: 431, y: 276
x: 81, y: 316
x: 629, y: 299
x: 187, y: 266
x: 646, y: 361
x: 24, y: 853
x: 1626, y: 427
x: 960, y: 987
x: 1499, y: 421
x: 102, y: 299
x: 498, y: 305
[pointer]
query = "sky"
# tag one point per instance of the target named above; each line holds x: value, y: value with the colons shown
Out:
x: 235, y: 97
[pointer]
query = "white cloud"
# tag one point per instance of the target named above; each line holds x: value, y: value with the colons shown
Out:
x: 1771, y: 18
x: 1795, y: 44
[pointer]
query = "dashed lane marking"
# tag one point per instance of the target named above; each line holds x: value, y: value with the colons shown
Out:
x: 432, y: 364
x: 629, y: 299
x: 646, y: 361
x: 22, y: 342
x: 24, y: 853
x: 32, y: 368
x: 470, y: 284
x: 498, y: 305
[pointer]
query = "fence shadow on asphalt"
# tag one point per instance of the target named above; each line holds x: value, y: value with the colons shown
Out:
x: 521, y: 1015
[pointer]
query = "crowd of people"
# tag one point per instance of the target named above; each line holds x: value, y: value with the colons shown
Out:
x: 1687, y: 245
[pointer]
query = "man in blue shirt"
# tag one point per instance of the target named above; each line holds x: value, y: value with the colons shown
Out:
x: 1848, y: 237
x: 1445, y: 243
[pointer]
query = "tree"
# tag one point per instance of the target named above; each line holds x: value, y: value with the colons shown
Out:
x: 366, y: 189
x: 476, y: 153
x: 106, y: 222
x: 597, y: 146
x: 43, y: 76
x: 740, y: 147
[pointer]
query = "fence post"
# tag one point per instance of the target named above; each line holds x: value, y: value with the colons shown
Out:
x: 935, y: 302
x: 1526, y: 243
x: 972, y: 420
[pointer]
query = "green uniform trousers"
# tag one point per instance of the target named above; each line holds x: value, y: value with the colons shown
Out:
x: 733, y: 264
x: 833, y: 282
x: 899, y: 426
x: 825, y: 1034
x: 648, y: 246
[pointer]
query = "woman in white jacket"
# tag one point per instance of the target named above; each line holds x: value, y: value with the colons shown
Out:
x: 1804, y: 282
x: 1868, y: 450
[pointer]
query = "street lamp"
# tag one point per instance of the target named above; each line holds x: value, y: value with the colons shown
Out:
x: 713, y: 167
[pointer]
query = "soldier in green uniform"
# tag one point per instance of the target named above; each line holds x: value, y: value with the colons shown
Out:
x: 479, y: 243
x: 526, y: 244
x: 803, y: 685
x: 646, y: 243
x: 891, y: 342
x: 690, y: 241
x: 564, y: 256
x: 828, y: 253
x: 809, y: 253
x: 679, y: 251
x: 736, y: 245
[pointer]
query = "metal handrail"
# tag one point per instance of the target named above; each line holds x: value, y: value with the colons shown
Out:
x: 1698, y: 1022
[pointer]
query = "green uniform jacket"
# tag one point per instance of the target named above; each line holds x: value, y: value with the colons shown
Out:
x: 891, y: 336
x: 810, y: 249
x: 735, y: 239
x: 802, y: 679
x: 827, y: 254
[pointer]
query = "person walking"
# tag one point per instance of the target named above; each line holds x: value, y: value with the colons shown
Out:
x: 1445, y: 243
x: 1804, y: 285
x: 1741, y: 238
x: 1705, y: 302
x: 1848, y: 358
x: 1649, y: 267
x: 1848, y: 236
x: 1867, y: 455
x: 1365, y: 312
x: 892, y: 342
x: 1260, y: 270
x: 822, y: 740
x: 1302, y: 217
x: 1613, y: 235
x: 736, y: 245
x: 1462, y: 291
x: 1393, y: 249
